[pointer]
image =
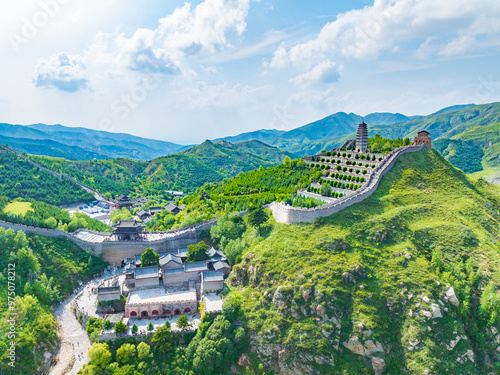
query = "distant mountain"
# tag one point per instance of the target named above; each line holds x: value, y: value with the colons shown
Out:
x: 466, y: 135
x: 185, y: 171
x: 453, y: 108
x: 264, y: 135
x: 265, y: 151
x: 81, y: 143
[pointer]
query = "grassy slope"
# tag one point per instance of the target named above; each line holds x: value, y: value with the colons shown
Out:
x: 421, y: 206
x: 18, y: 208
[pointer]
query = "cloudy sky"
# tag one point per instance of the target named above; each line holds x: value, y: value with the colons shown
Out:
x: 188, y: 71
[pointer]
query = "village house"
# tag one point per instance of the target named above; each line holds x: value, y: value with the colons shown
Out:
x: 110, y: 293
x: 212, y: 281
x: 147, y: 277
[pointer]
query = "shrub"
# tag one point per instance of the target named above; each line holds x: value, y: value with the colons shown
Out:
x: 311, y: 165
x: 364, y: 171
x: 120, y: 327
x: 327, y: 167
x: 348, y: 162
x: 363, y: 156
x: 373, y: 157
x: 328, y: 153
x: 357, y: 170
x: 362, y: 179
x: 349, y: 178
x: 348, y: 155
x: 339, y: 167
x: 380, y: 158
x: 356, y: 156
x: 350, y: 170
x: 343, y: 155
x: 322, y: 166
x: 344, y: 169
x: 322, y: 160
x: 107, y: 324
x: 366, y: 165
x: 360, y: 164
x: 339, y: 161
x: 150, y: 326
x: 135, y: 328
x: 373, y: 165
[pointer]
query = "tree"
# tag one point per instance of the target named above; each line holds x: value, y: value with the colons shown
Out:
x: 99, y: 355
x: 143, y: 351
x: 183, y: 321
x: 150, y: 326
x: 197, y: 252
x: 287, y: 161
x: 325, y: 190
x: 135, y: 328
x: 150, y: 258
x: 120, y: 327
x: 257, y: 216
x: 163, y: 339
x: 123, y: 214
x: 107, y: 324
x: 125, y: 354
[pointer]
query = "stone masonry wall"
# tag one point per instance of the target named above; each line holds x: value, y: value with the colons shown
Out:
x: 290, y: 215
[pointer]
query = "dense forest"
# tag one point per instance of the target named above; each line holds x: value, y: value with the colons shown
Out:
x: 20, y: 179
x: 46, y: 270
x: 186, y: 171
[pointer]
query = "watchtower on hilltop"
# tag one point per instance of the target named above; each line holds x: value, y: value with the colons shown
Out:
x: 423, y: 138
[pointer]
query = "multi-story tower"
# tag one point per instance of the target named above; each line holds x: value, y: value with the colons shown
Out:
x: 362, y: 137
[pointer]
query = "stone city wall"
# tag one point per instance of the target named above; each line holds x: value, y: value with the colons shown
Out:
x: 289, y: 215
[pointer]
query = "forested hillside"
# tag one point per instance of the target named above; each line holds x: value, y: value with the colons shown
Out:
x: 18, y: 178
x: 186, y: 171
x: 46, y: 269
x: 369, y: 288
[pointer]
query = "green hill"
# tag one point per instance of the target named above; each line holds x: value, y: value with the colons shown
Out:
x: 366, y: 279
x: 20, y: 179
x: 185, y: 171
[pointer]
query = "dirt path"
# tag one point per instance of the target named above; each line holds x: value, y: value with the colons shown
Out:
x: 74, y: 341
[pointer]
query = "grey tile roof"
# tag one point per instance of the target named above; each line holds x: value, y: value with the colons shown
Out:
x: 212, y: 276
x: 221, y: 265
x: 170, y: 258
x: 146, y: 272
x: 196, y: 266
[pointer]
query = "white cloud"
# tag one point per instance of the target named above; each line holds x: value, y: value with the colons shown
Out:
x: 61, y: 71
x: 325, y: 72
x: 365, y: 33
x: 207, y: 28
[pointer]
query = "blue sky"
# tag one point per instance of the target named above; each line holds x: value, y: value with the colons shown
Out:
x: 188, y: 71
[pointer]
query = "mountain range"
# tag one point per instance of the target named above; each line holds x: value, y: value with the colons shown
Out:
x: 466, y: 135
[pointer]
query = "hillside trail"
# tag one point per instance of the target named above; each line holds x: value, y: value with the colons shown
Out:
x: 74, y: 340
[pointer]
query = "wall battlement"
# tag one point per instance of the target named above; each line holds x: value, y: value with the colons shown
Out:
x: 291, y: 215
